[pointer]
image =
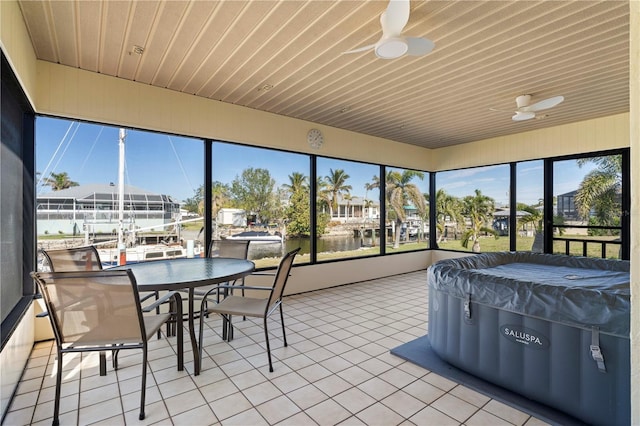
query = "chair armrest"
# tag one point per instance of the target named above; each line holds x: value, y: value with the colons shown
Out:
x: 245, y: 287
x: 145, y: 297
x: 160, y: 301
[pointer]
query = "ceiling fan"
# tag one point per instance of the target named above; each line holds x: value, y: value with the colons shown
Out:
x: 392, y: 44
x: 525, y: 111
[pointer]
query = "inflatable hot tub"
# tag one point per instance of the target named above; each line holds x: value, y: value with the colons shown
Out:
x: 552, y: 328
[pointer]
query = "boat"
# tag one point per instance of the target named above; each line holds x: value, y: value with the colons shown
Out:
x: 144, y: 253
x: 257, y: 237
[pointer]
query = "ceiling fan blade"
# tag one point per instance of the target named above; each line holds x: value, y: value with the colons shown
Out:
x: 544, y: 104
x: 394, y: 18
x: 523, y: 115
x: 418, y: 46
x: 360, y: 49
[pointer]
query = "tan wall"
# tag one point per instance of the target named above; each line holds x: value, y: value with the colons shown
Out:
x: 586, y: 136
x: 16, y: 44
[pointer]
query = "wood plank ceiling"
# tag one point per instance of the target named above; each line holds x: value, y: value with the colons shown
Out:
x: 286, y: 57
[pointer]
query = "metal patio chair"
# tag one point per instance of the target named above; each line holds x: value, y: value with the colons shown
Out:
x: 100, y: 311
x: 253, y: 306
x: 235, y: 249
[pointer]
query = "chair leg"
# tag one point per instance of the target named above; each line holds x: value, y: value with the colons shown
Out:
x: 56, y: 403
x: 266, y: 337
x: 144, y: 381
x: 114, y: 358
x: 179, y: 330
x: 284, y: 333
x: 103, y: 363
x: 201, y: 330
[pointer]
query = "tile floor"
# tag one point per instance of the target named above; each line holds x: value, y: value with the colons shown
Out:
x: 337, y: 369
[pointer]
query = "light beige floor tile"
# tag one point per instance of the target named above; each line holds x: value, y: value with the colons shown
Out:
x: 314, y: 372
x: 355, y: 375
x: 483, y: 418
x: 96, y: 395
x: 354, y: 400
x: 176, y: 387
x: 183, y: 402
x: 403, y: 404
x: 354, y: 421
x: 248, y: 379
x: 454, y: 407
x: 44, y: 410
x: 289, y: 382
x: 307, y: 396
x: 111, y: 421
x: 132, y: 400
x: 202, y: 415
x: 423, y: 391
x: 99, y: 411
x: 332, y: 385
x: 377, y: 388
x: 439, y: 382
x: 261, y: 393
x: 470, y: 396
x: 249, y: 417
x: 230, y: 406
x: 328, y: 412
x: 278, y: 409
x: 19, y: 417
x: 24, y: 400
x: 379, y: 414
x: 218, y: 390
x: 431, y: 416
x: 300, y: 419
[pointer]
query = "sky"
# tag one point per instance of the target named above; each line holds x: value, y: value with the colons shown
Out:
x: 173, y: 165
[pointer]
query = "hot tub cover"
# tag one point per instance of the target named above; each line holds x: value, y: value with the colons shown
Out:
x: 578, y: 291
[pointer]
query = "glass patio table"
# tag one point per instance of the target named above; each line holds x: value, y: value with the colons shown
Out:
x: 178, y: 274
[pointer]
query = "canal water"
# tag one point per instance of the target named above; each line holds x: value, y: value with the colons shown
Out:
x: 330, y: 244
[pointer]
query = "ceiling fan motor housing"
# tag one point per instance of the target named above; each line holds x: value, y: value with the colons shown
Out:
x: 391, y: 48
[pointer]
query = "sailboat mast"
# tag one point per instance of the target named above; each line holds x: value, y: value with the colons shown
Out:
x: 123, y: 135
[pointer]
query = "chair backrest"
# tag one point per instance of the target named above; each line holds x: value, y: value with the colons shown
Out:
x: 236, y: 249
x: 93, y: 308
x: 73, y: 259
x: 281, y: 278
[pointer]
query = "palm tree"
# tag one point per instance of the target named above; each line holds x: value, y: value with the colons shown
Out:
x: 297, y: 182
x: 58, y: 181
x: 479, y: 210
x: 600, y: 190
x: 336, y: 186
x: 447, y: 207
x: 323, y: 195
x: 400, y: 191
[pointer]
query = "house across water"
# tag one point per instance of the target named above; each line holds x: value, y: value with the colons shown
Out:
x: 93, y: 209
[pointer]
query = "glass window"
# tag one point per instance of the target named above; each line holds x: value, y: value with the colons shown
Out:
x: 407, y: 209
x: 471, y: 206
x: 262, y: 195
x: 588, y: 208
x: 347, y: 209
x: 78, y: 163
x: 530, y: 206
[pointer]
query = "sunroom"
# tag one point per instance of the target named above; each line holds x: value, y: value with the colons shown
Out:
x: 272, y: 78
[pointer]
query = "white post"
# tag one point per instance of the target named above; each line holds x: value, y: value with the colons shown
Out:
x: 121, y: 246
